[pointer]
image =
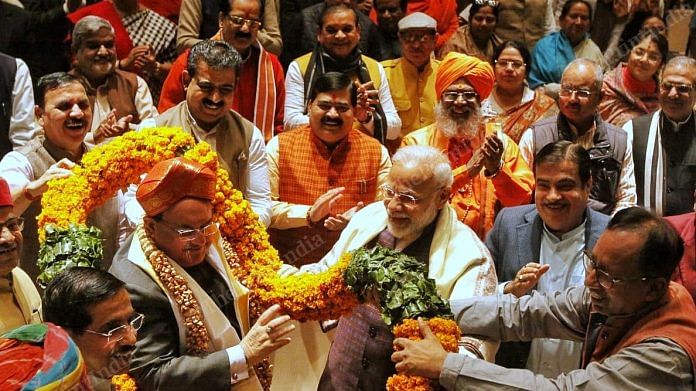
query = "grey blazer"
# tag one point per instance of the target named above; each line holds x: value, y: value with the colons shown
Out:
x: 514, y: 241
x: 157, y: 363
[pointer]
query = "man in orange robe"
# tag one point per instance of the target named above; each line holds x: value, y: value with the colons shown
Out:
x: 489, y: 172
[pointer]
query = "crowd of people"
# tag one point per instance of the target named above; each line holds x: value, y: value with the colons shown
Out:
x: 538, y: 156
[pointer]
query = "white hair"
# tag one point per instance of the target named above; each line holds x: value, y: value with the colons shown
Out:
x: 455, y: 127
x: 423, y: 157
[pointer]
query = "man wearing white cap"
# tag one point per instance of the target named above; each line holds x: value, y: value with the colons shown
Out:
x: 412, y: 76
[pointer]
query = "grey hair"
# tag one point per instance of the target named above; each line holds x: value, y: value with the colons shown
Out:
x: 86, y: 27
x: 680, y: 61
x: 423, y: 157
x: 218, y: 55
x: 598, y: 72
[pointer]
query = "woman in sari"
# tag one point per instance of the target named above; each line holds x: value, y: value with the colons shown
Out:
x: 631, y: 89
x: 512, y: 102
x: 477, y: 38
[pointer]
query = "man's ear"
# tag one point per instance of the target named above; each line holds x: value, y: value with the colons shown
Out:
x: 38, y: 113
x: 185, y: 79
x: 221, y: 19
x: 657, y: 289
x: 443, y: 197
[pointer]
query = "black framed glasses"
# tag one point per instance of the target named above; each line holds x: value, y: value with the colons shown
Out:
x: 681, y: 88
x: 118, y: 333
x: 14, y: 224
x: 407, y: 199
x: 239, y: 21
x: 452, y: 96
x: 581, y: 93
x: 605, y: 279
x: 192, y: 233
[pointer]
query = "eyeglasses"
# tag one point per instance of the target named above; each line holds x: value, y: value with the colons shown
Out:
x: 452, y: 96
x: 406, y: 199
x: 120, y: 332
x: 327, y: 106
x: 683, y: 89
x: 239, y: 21
x: 652, y: 57
x: 13, y: 225
x: 506, y: 63
x: 410, y: 37
x: 605, y: 279
x: 193, y: 233
x: 581, y: 93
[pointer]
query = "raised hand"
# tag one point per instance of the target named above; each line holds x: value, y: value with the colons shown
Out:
x: 526, y: 278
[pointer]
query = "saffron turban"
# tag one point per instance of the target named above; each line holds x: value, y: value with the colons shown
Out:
x: 456, y: 65
x: 41, y: 357
x: 172, y: 180
x: 5, y: 196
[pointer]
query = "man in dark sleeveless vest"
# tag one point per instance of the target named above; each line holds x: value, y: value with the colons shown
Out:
x: 338, y: 36
x: 210, y: 78
x: 322, y: 173
x: 16, y: 104
x: 613, y: 183
x: 638, y: 328
x: 112, y: 93
x: 65, y: 116
x: 664, y: 143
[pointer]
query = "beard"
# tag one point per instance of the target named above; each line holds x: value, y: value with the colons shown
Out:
x: 456, y: 127
x: 414, y: 224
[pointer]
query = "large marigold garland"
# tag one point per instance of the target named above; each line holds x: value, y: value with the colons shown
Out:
x: 115, y: 165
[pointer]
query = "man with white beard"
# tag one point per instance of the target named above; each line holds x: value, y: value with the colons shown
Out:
x: 415, y: 219
x: 489, y: 172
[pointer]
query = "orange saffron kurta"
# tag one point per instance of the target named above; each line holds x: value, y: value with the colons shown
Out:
x: 477, y: 200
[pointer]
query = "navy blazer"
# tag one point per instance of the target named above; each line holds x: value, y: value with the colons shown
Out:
x: 514, y: 241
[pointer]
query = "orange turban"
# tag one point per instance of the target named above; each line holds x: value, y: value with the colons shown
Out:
x: 171, y: 180
x: 456, y: 65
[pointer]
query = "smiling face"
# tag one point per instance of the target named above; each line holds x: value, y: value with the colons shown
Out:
x: 617, y: 253
x: 576, y: 23
x: 66, y: 116
x: 331, y: 116
x: 237, y: 32
x: 96, y: 56
x: 105, y: 358
x: 209, y: 94
x: 560, y: 195
x: 678, y: 105
x: 189, y: 213
x: 340, y: 33
x: 644, y: 60
x: 405, y: 220
x: 10, y: 243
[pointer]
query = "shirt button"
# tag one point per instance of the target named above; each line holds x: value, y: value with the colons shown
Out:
x: 669, y: 189
x: 365, y: 362
x: 372, y: 332
x: 605, y: 336
x: 235, y: 376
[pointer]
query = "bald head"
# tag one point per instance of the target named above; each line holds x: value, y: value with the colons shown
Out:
x: 588, y: 67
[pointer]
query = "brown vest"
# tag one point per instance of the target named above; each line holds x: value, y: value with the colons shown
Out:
x: 233, y: 137
x: 306, y: 170
x: 673, y: 320
x: 121, y: 87
x: 104, y: 217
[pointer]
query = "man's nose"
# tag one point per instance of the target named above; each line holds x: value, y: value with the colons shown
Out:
x: 76, y: 111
